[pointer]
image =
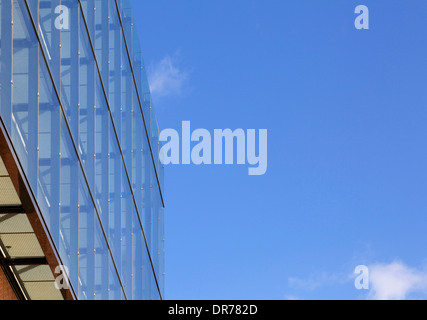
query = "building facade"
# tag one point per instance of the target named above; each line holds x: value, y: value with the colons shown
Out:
x: 81, y: 202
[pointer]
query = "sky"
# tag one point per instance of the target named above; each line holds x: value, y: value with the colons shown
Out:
x: 345, y: 111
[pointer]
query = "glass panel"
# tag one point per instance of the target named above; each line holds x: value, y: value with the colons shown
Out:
x: 70, y: 67
x: 161, y: 170
x: 154, y: 139
x: 150, y: 290
x: 114, y: 289
x: 102, y: 40
x: 120, y: 7
x: 34, y: 10
x: 155, y: 236
x: 157, y: 232
x: 147, y: 275
x: 128, y: 209
x: 115, y: 196
x: 49, y: 125
x: 101, y: 264
x: 137, y: 153
x: 86, y: 107
x: 127, y: 22
x: 102, y: 128
x: 89, y: 15
x: 68, y: 246
x: 6, y: 63
x: 115, y: 86
x: 86, y: 242
x: 137, y: 60
x: 147, y: 165
x: 155, y: 294
x: 25, y: 89
x: 161, y: 243
x: 50, y: 37
x: 84, y: 209
x: 126, y: 112
x: 145, y: 98
x: 137, y: 254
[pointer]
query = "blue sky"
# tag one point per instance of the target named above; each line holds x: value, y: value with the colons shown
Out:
x: 345, y: 111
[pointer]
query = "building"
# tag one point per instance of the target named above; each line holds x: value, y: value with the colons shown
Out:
x: 81, y: 204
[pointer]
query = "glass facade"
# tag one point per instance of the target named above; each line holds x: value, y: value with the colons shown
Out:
x: 75, y: 100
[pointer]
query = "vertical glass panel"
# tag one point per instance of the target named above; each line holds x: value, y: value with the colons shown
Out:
x: 155, y: 236
x: 115, y: 86
x: 128, y: 210
x: 147, y: 275
x: 161, y: 170
x: 150, y: 289
x: 25, y: 89
x: 102, y: 40
x: 154, y: 139
x: 145, y: 98
x: 114, y: 290
x: 155, y: 294
x: 86, y: 107
x: 137, y: 254
x: 127, y: 22
x: 158, y: 238
x: 102, y: 129
x: 70, y: 66
x: 161, y: 226
x: 115, y: 197
x: 101, y: 264
x: 138, y: 133
x: 34, y: 10
x: 126, y: 111
x: 6, y: 63
x: 86, y: 242
x: 137, y: 60
x: 120, y: 7
x: 69, y: 178
x: 49, y: 125
x: 50, y: 35
x: 147, y: 165
x: 157, y: 232
x: 88, y: 7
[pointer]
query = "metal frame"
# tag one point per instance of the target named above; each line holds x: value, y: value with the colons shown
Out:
x: 14, y: 282
x: 11, y: 210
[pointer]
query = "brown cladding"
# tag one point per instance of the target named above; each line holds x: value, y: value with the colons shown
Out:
x: 6, y: 291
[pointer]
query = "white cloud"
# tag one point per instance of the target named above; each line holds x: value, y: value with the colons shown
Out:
x: 166, y: 77
x: 387, y: 281
x: 396, y: 281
